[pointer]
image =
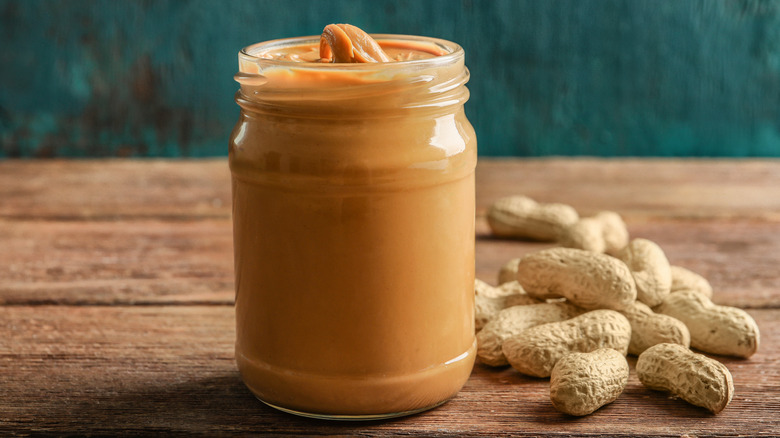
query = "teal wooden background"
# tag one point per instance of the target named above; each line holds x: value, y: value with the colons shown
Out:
x: 564, y: 77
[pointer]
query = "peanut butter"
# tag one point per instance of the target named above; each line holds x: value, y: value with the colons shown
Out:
x: 343, y: 43
x: 353, y: 210
x: 347, y: 43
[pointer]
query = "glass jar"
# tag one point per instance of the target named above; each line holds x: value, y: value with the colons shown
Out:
x: 353, y: 215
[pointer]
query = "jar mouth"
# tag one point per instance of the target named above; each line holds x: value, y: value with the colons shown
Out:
x: 343, y: 89
x: 250, y: 55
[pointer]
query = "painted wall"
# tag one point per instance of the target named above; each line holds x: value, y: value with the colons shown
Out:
x: 565, y: 77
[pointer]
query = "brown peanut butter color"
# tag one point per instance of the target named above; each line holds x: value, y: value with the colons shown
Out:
x: 347, y: 43
x: 344, y: 43
x: 353, y: 210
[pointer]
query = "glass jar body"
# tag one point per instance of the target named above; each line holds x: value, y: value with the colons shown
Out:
x: 354, y: 255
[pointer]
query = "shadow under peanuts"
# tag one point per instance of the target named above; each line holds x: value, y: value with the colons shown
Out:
x: 636, y: 409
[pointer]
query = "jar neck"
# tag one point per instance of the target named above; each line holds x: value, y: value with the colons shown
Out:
x: 352, y: 90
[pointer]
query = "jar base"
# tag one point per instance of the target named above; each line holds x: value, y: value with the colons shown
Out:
x: 367, y: 417
x: 350, y: 398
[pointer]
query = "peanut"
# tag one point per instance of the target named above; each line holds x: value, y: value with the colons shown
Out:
x: 509, y: 289
x: 536, y: 350
x: 483, y: 289
x: 684, y: 279
x: 522, y: 217
x: 580, y: 383
x: 614, y: 231
x: 585, y: 352
x: 489, y: 300
x: 695, y: 378
x: 586, y: 233
x: 588, y: 280
x: 513, y: 288
x: 514, y: 320
x: 603, y: 232
x: 508, y: 272
x: 486, y: 308
x: 649, y: 328
x: 650, y: 269
x: 714, y: 329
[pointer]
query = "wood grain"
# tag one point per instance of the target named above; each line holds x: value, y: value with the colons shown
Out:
x: 116, y: 262
x: 641, y: 189
x: 198, y: 189
x: 116, y: 292
x: 155, y: 261
x: 67, y: 190
x: 169, y: 369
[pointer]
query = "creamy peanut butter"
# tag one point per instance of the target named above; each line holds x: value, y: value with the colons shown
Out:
x: 343, y: 43
x: 353, y: 210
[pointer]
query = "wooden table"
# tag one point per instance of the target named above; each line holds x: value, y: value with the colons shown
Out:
x: 116, y: 295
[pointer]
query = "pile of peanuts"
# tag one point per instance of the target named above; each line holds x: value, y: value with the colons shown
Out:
x: 572, y: 313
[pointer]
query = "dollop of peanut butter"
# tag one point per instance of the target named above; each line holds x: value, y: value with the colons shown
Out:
x: 349, y: 44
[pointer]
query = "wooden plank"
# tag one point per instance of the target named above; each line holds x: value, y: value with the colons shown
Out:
x: 158, y: 261
x: 97, y: 238
x: 680, y: 189
x: 738, y: 257
x: 116, y: 262
x: 116, y: 189
x: 169, y: 369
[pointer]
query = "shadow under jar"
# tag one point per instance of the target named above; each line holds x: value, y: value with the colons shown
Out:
x: 353, y: 219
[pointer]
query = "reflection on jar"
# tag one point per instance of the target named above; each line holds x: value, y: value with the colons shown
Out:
x: 353, y: 210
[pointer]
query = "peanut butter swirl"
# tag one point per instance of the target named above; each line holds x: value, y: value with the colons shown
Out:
x: 349, y: 44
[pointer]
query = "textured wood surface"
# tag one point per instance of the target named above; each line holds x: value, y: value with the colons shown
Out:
x: 116, y: 299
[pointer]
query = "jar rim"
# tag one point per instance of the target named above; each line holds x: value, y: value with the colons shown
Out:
x: 453, y: 52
